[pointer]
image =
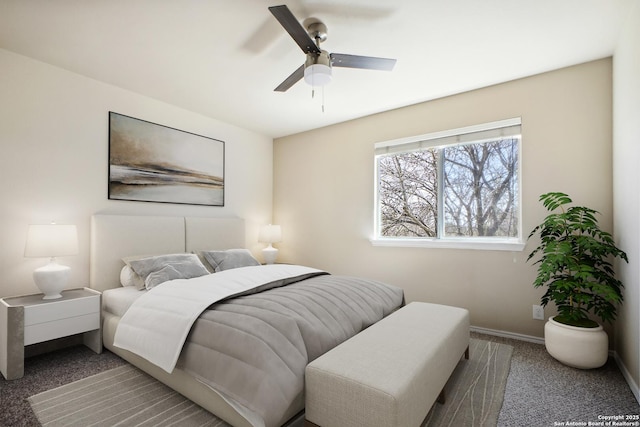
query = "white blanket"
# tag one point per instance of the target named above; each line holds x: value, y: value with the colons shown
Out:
x: 157, y: 324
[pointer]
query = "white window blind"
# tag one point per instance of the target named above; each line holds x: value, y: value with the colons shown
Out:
x: 464, y: 135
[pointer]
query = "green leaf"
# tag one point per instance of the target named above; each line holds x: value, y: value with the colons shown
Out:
x: 574, y: 261
x: 552, y: 201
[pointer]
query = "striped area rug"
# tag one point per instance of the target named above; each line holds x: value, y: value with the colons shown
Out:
x: 475, y: 391
x: 125, y: 396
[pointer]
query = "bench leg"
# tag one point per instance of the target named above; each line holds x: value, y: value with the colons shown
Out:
x: 441, y: 397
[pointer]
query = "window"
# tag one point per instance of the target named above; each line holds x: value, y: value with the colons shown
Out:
x: 457, y: 188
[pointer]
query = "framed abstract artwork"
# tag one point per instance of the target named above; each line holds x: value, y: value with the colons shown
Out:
x: 154, y: 163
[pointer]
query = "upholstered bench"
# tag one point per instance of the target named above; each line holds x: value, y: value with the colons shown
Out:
x: 390, y: 374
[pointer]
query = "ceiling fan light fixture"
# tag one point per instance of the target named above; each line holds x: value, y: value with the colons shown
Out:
x: 317, y: 68
x: 317, y: 74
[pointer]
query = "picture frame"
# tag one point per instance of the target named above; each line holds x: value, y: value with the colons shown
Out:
x: 149, y: 162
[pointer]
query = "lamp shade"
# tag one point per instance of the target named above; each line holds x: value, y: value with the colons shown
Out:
x: 317, y: 74
x: 270, y: 234
x: 51, y: 240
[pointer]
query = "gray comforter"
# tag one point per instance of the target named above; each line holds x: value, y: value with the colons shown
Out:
x: 254, y: 349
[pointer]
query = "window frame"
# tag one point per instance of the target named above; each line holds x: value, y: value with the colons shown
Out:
x: 438, y: 139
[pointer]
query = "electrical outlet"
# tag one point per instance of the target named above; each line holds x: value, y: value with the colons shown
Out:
x: 538, y: 312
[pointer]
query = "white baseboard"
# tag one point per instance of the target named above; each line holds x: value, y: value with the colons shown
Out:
x: 627, y: 376
x: 505, y: 334
x: 635, y: 389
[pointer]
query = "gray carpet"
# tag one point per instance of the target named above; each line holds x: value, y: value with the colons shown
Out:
x: 543, y: 392
x: 126, y: 396
x: 539, y: 391
x: 45, y: 372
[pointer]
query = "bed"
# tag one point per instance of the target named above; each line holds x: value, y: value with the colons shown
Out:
x: 310, y: 316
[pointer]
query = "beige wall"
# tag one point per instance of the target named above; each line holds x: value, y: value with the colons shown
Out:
x: 323, y: 190
x: 54, y: 158
x: 626, y: 120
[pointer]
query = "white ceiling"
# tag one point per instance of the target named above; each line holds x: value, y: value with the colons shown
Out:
x: 223, y: 58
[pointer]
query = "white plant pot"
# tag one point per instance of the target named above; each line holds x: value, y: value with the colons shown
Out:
x: 584, y: 348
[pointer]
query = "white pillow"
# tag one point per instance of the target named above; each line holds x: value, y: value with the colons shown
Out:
x: 128, y: 277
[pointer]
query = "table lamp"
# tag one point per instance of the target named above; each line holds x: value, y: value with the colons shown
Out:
x: 270, y: 234
x: 51, y: 240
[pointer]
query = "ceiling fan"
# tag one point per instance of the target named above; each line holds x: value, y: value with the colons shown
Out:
x: 316, y: 69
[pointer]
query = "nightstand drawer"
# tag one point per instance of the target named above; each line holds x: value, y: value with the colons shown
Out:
x: 60, y: 328
x: 30, y: 319
x: 59, y: 310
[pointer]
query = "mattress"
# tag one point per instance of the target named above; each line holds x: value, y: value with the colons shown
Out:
x: 118, y: 300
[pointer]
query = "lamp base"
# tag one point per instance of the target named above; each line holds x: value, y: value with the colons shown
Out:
x: 269, y: 254
x: 51, y: 279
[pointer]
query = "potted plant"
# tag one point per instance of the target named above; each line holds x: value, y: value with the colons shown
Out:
x: 575, y: 265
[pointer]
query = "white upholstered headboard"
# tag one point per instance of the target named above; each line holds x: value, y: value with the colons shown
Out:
x: 116, y: 236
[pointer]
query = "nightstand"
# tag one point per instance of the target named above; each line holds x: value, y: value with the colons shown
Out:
x: 29, y: 319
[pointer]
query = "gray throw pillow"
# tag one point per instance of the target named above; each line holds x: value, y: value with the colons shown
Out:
x: 166, y: 273
x: 232, y: 258
x: 158, y: 269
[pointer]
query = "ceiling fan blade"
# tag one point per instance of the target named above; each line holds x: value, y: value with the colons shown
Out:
x: 366, y: 62
x: 295, y: 30
x: 291, y: 80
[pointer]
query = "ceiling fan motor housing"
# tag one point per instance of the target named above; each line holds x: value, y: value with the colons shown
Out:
x: 322, y: 58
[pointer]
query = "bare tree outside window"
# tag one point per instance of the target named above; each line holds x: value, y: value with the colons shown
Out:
x: 408, y: 194
x: 481, y: 189
x: 479, y: 185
